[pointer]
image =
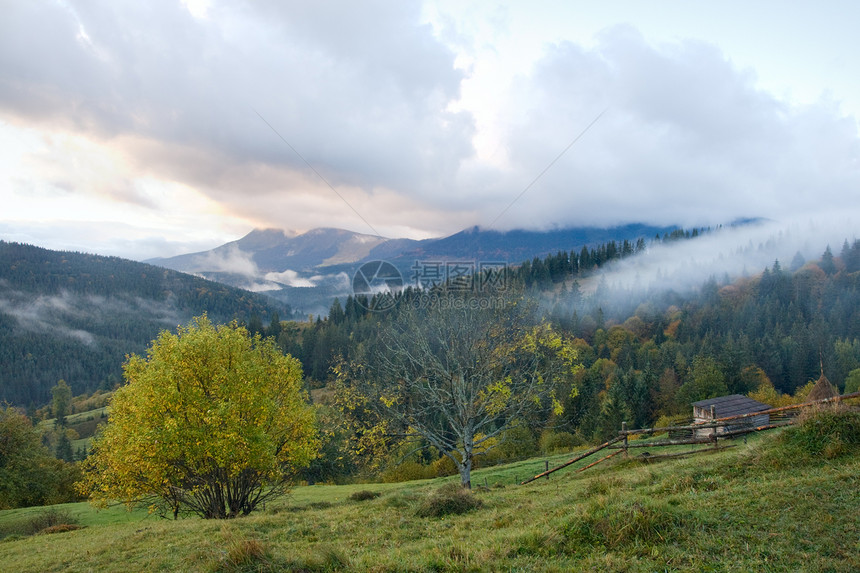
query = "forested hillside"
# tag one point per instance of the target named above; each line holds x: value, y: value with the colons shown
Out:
x: 349, y: 322
x: 76, y: 316
x: 649, y: 355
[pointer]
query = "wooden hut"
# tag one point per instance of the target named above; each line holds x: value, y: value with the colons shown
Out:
x: 705, y: 411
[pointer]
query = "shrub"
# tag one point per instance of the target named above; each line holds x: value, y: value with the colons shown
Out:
x: 675, y: 420
x: 551, y: 441
x: 30, y: 475
x: 451, y: 499
x: 445, y: 467
x: 515, y: 443
x: 408, y: 471
x: 828, y: 432
x: 230, y: 405
x: 364, y: 495
x: 46, y: 519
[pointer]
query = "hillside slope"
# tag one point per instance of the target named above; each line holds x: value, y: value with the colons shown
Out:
x: 309, y: 270
x: 75, y: 316
x: 754, y: 507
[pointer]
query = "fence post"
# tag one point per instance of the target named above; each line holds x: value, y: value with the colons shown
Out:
x: 546, y: 466
x: 624, y: 430
x: 714, y: 429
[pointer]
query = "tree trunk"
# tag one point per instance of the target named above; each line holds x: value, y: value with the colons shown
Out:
x: 466, y: 466
x: 466, y: 472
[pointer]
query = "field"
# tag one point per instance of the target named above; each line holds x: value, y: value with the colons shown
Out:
x: 84, y: 423
x: 753, y: 507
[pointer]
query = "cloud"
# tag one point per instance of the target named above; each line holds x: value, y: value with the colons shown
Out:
x: 228, y: 259
x: 233, y: 260
x: 373, y: 98
x: 262, y: 287
x: 729, y: 252
x: 686, y: 138
x: 360, y: 89
x: 45, y: 314
x: 113, y: 238
x: 290, y: 278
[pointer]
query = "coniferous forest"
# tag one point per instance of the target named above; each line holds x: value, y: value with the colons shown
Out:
x: 644, y: 360
x: 75, y: 316
x: 644, y: 357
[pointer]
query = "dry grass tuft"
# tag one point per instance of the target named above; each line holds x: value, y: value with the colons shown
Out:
x: 364, y: 495
x: 61, y: 528
x: 623, y: 522
x: 451, y: 499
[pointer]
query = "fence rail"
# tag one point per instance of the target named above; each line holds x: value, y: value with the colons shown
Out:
x: 691, y: 434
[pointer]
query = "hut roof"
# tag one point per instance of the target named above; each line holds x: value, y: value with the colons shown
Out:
x: 822, y: 389
x: 733, y: 405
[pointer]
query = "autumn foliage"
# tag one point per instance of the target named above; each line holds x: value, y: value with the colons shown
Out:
x: 212, y: 421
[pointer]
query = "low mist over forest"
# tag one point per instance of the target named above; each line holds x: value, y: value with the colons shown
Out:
x: 75, y: 316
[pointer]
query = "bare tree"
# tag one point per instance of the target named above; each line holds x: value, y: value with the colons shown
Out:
x: 459, y: 375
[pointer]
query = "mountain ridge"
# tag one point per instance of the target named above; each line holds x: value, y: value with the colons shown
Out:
x: 75, y: 316
x: 308, y: 270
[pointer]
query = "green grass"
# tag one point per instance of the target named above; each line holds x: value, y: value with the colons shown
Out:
x: 746, y: 508
x: 77, y: 418
x: 83, y: 513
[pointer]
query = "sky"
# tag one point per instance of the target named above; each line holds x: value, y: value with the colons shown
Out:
x: 146, y: 129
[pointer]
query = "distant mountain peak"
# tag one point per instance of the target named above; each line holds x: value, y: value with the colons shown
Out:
x: 324, y: 259
x: 262, y: 238
x: 274, y: 231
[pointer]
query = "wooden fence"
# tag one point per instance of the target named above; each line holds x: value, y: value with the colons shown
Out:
x: 693, y: 434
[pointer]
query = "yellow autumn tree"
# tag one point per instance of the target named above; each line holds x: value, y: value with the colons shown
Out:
x: 212, y: 422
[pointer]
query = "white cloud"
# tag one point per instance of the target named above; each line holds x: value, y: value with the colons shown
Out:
x: 41, y: 314
x: 142, y: 119
x: 361, y: 90
x: 686, y: 139
x: 290, y: 278
x: 728, y: 252
x: 228, y: 259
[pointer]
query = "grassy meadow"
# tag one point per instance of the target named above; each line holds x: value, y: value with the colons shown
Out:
x: 764, y: 505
